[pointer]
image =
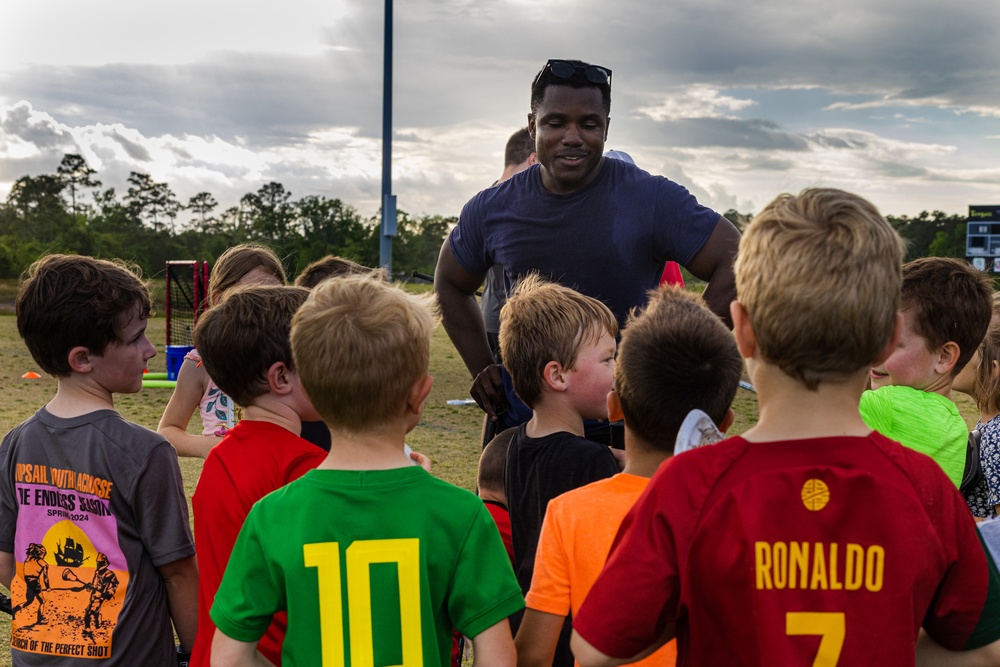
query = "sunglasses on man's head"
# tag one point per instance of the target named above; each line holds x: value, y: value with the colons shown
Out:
x: 563, y: 69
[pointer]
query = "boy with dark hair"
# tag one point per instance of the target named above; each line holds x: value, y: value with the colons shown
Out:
x: 841, y: 543
x: 245, y: 347
x: 654, y: 392
x: 367, y: 553
x: 946, y: 307
x: 78, y: 475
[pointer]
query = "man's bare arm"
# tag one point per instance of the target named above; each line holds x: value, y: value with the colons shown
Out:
x: 714, y: 264
x: 456, y: 292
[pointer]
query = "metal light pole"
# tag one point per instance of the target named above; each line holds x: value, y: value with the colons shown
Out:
x: 388, y: 199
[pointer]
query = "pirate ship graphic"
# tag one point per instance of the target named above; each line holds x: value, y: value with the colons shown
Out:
x: 70, y: 553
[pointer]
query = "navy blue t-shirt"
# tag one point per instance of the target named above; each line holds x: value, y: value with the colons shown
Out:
x: 609, y: 240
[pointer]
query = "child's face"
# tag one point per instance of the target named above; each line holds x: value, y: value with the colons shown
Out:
x: 593, y: 376
x: 911, y: 364
x: 119, y: 369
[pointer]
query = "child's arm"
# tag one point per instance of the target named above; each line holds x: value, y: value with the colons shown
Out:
x: 537, y: 638
x: 932, y: 654
x: 588, y: 656
x: 229, y: 652
x: 6, y: 569
x: 181, y: 580
x: 493, y: 647
x: 192, y: 380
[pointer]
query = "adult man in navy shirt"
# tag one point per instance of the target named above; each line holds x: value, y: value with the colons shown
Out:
x: 603, y: 227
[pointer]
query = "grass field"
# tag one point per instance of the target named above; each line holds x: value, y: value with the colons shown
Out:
x: 449, y: 435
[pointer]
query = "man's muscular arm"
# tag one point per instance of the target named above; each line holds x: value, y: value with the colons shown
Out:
x: 456, y: 292
x: 714, y: 264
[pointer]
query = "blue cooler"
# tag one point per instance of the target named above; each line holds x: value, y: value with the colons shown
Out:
x: 175, y: 357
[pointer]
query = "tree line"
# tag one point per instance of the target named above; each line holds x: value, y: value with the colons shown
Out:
x: 68, y: 211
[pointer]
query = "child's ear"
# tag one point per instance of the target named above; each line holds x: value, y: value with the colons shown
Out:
x: 727, y: 421
x: 553, y: 376
x: 947, y: 357
x: 418, y: 394
x: 615, y: 407
x: 280, y: 379
x: 746, y: 340
x: 79, y: 359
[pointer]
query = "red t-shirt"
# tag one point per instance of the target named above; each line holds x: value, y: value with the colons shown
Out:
x: 777, y: 553
x: 501, y: 517
x: 252, y: 460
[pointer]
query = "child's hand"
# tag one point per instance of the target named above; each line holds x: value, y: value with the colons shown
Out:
x: 421, y: 460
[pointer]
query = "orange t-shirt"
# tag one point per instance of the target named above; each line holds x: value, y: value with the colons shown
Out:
x: 576, y: 536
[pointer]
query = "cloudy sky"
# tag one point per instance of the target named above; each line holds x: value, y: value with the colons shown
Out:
x: 898, y: 100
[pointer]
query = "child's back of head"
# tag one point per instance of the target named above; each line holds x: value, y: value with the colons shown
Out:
x: 242, y: 337
x: 66, y: 301
x: 543, y: 322
x: 819, y: 276
x: 493, y: 460
x: 333, y: 266
x: 675, y: 357
x: 359, y: 345
x: 237, y: 264
x: 947, y: 301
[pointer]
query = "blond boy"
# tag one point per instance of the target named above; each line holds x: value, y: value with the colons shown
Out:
x: 559, y: 348
x: 675, y: 357
x: 367, y: 553
x: 810, y: 539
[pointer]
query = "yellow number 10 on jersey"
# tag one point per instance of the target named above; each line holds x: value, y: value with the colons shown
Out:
x: 325, y: 557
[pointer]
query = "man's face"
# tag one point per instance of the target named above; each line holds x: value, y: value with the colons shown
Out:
x: 570, y: 128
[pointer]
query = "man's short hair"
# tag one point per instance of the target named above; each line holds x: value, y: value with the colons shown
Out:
x: 819, y: 276
x: 949, y: 301
x: 545, y: 78
x: 242, y: 337
x: 543, y: 322
x: 240, y: 260
x: 360, y: 344
x: 674, y: 357
x: 332, y: 266
x: 520, y: 146
x: 66, y: 301
x: 493, y: 461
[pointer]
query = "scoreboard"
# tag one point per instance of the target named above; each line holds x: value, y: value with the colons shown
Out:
x: 982, y: 237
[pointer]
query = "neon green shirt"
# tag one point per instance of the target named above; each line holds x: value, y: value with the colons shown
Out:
x: 920, y: 420
x: 373, y: 567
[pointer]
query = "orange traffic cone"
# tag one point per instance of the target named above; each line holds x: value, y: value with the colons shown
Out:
x: 30, y: 375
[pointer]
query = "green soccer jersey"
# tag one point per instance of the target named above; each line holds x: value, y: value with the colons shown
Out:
x: 920, y: 420
x: 373, y: 567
